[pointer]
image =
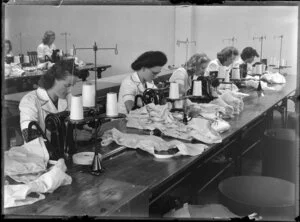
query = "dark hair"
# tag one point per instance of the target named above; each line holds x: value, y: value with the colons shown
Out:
x: 58, y: 71
x: 47, y: 36
x: 9, y: 43
x: 227, y: 53
x: 149, y: 59
x: 248, y: 52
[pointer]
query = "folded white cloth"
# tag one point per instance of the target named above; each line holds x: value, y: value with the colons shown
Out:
x: 274, y: 78
x: 30, y: 158
x: 220, y: 126
x: 17, y: 195
x: 151, y: 143
x: 231, y: 87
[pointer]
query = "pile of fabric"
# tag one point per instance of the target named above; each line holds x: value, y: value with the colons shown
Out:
x: 13, y: 70
x: 153, y: 116
x: 152, y: 144
x: 268, y: 79
x: 27, y: 164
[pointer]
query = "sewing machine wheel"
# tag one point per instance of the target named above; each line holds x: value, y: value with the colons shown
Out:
x: 150, y: 96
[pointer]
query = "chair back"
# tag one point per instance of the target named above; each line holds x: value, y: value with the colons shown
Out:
x: 33, y: 59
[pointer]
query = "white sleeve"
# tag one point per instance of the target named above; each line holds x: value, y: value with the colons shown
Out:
x: 28, y: 111
x: 178, y: 76
x: 128, y: 90
x: 210, y: 68
x: 40, y: 52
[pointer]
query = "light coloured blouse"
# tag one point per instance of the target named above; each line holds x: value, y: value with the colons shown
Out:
x: 43, y: 50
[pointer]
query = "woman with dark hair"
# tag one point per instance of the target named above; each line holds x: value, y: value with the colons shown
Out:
x: 193, y: 68
x: 246, y: 59
x: 224, y: 60
x: 46, y: 47
x: 8, y: 49
x: 145, y: 67
x: 49, y: 97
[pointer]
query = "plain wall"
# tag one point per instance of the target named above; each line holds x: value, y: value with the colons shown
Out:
x: 135, y: 29
x: 215, y: 23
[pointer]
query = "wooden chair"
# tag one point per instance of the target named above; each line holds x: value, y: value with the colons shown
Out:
x: 33, y: 59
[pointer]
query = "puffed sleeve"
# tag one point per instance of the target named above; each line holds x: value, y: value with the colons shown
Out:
x: 28, y: 111
x: 128, y: 90
x: 40, y: 52
x: 212, y: 66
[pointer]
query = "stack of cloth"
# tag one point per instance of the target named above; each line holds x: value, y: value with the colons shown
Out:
x: 153, y: 116
x: 27, y: 165
x: 13, y: 70
x: 152, y: 144
x: 268, y: 79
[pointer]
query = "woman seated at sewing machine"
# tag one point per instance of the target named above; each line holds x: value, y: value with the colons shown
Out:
x: 45, y: 49
x: 8, y: 49
x: 244, y: 62
x: 145, y: 67
x: 193, y: 68
x: 49, y: 97
x: 224, y: 60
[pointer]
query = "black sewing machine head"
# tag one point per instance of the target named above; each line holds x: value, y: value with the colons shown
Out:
x: 155, y: 96
x: 9, y: 59
x: 207, y: 83
x: 54, y: 57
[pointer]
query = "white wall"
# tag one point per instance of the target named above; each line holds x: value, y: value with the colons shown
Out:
x: 214, y: 23
x: 135, y: 29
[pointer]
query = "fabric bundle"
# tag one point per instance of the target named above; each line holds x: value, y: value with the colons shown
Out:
x: 151, y: 144
x: 274, y: 78
x: 28, y: 164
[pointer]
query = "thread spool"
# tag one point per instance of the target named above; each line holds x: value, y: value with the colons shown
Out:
x: 17, y: 59
x: 282, y: 62
x: 71, y: 52
x: 111, y: 104
x: 197, y: 88
x: 88, y: 94
x: 76, y: 112
x: 26, y: 59
x: 222, y: 72
x: 60, y: 53
x: 236, y: 73
x: 259, y: 69
x: 174, y: 90
x: 178, y: 104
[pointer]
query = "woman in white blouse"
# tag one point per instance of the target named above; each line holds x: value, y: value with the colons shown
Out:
x: 145, y: 67
x: 223, y: 62
x: 46, y: 47
x: 194, y: 68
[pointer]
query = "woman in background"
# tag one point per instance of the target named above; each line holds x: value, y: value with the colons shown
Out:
x: 46, y: 47
x: 146, y: 67
x: 224, y: 60
x: 8, y: 49
x: 49, y: 97
x: 193, y: 68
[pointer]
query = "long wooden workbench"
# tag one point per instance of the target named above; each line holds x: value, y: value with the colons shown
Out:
x: 134, y: 182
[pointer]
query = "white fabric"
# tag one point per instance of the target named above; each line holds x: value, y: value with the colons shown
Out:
x: 180, y: 76
x: 130, y: 87
x: 274, y: 78
x: 159, y: 117
x: 36, y: 105
x: 43, y: 50
x: 17, y: 195
x: 151, y: 143
x: 13, y: 70
x: 30, y: 159
x: 215, y: 65
x: 233, y: 100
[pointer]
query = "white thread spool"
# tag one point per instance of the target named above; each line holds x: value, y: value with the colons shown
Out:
x: 112, y: 104
x: 17, y: 59
x: 174, y: 90
x: 197, y: 88
x: 76, y: 112
x: 71, y: 52
x: 236, y: 73
x: 88, y: 94
x: 282, y: 62
x: 222, y: 72
x: 259, y: 69
x: 60, y: 53
x: 26, y: 59
x: 178, y: 104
